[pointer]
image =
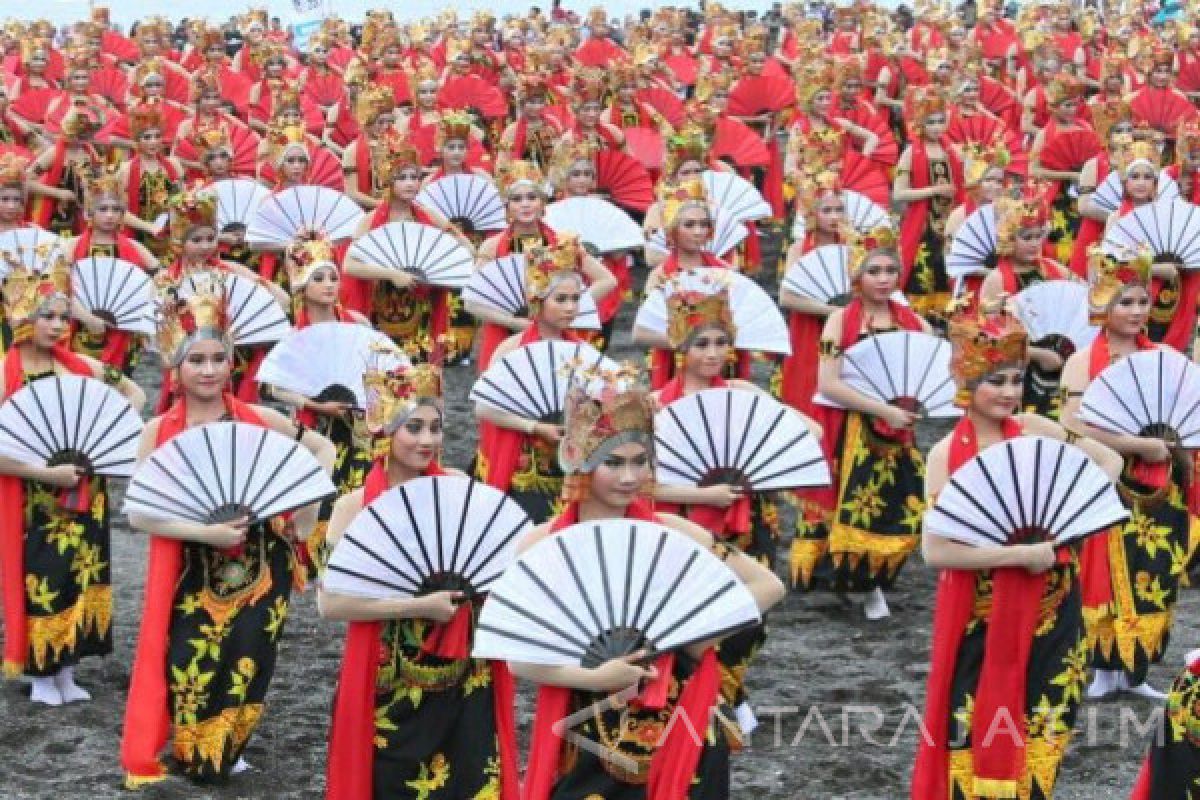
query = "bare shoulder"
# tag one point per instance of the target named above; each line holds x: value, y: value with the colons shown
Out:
x: 535, y: 535
x: 1037, y: 425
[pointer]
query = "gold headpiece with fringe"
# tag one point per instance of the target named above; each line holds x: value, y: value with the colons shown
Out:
x: 689, y: 144
x: 26, y: 291
x: 13, y: 168
x: 396, y: 154
x: 511, y: 174
x: 546, y: 265
x: 202, y: 314
x: 105, y: 184
x: 455, y: 125
x: 193, y: 207
x: 1109, y: 275
x: 978, y: 158
x: 691, y: 310
x: 1128, y: 151
x: 306, y: 256
x: 281, y: 138
x: 982, y: 344
x: 604, y: 409
x: 372, y: 101
x: 860, y: 246
x: 674, y: 197
x: 395, y: 391
x: 1015, y: 211
x: 568, y: 153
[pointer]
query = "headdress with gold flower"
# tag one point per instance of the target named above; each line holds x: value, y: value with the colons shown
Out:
x: 674, y: 197
x: 144, y: 117
x: 82, y: 121
x: 692, y: 309
x: 812, y: 78
x: 1108, y: 113
x: 590, y: 85
x: 454, y: 125
x: 689, y: 144
x: 1064, y: 87
x: 710, y: 83
x: 548, y: 265
x: 395, y: 389
x: 811, y: 187
x: 283, y: 138
x: 306, y: 256
x: 861, y: 245
x: 978, y: 158
x: 981, y: 345
x: 372, y: 101
x: 923, y: 102
x: 201, y: 315
x: 193, y: 207
x: 1109, y: 275
x: 104, y: 184
x: 1019, y: 211
x: 604, y: 409
x: 568, y: 153
x: 1129, y: 152
x: 210, y: 138
x: 12, y: 169
x: 26, y: 291
x: 512, y: 174
x: 396, y: 154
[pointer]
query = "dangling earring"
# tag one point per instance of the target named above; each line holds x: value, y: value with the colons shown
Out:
x: 680, y: 358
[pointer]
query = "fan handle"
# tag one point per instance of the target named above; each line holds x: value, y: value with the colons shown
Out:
x: 906, y: 436
x: 229, y: 512
x: 725, y: 475
x: 447, y: 582
x: 1059, y: 344
x: 1160, y: 430
x: 1032, y: 534
x: 612, y: 643
x: 106, y: 316
x: 75, y: 458
x: 464, y: 224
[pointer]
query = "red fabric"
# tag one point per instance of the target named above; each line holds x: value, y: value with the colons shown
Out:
x: 1091, y: 230
x: 798, y: 382
x: 1049, y: 269
x: 12, y: 519
x: 116, y: 343
x: 912, y: 227
x: 952, y: 612
x: 41, y: 208
x: 147, y: 716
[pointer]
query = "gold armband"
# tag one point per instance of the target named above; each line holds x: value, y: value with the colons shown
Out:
x: 827, y: 349
x: 112, y: 375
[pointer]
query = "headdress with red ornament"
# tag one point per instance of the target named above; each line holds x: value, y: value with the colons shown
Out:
x: 546, y: 266
x: 185, y: 318
x: 27, y: 291
x: 1109, y: 274
x: 694, y: 307
x: 395, y: 389
x: 604, y: 409
x: 1019, y: 211
x: 982, y: 345
x: 193, y: 207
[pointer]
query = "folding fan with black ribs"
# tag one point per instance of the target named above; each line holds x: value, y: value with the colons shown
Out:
x: 821, y: 274
x: 864, y: 176
x: 255, y: 316
x: 760, y: 325
x: 237, y: 201
x: 1068, y: 151
x: 500, y: 284
x: 601, y: 226
x: 625, y: 180
x: 605, y: 589
x: 471, y: 202
x: 666, y: 103
x: 324, y: 90
x: 647, y: 146
x: 532, y: 381
x: 1025, y: 490
x: 736, y: 196
x: 739, y: 144
x: 225, y: 470
x: 902, y: 368
x: 737, y: 437
x: 325, y: 362
x: 1056, y: 315
x: 444, y: 533
x: 727, y: 234
x: 973, y: 250
x: 1148, y: 393
x: 35, y: 249
x: 1111, y: 192
x: 117, y: 292
x: 757, y: 94
x: 1161, y: 109
x: 430, y: 254
x: 1171, y: 228
x: 472, y: 93
x: 242, y: 140
x: 863, y: 214
x: 112, y: 84
x: 285, y: 215
x: 70, y: 419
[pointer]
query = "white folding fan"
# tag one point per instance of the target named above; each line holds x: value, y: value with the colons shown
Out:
x: 1171, y: 228
x: 224, y: 470
x: 604, y: 589
x: 500, y: 284
x: 284, y: 215
x: 1025, y: 490
x: 903, y: 368
x: 237, y: 200
x: 736, y: 196
x: 974, y: 247
x: 532, y: 381
x: 326, y: 361
x: 821, y: 274
x: 1148, y: 393
x: 116, y: 291
x: 33, y: 248
x: 597, y: 222
x: 426, y: 535
x: 255, y: 316
x: 737, y: 437
x: 1111, y: 192
x: 1056, y: 310
x: 431, y: 255
x: 471, y: 202
x: 760, y: 325
x: 862, y: 213
x: 70, y: 419
x: 727, y: 234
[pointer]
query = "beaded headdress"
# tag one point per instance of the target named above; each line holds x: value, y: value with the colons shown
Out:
x: 194, y: 207
x: 1109, y: 275
x: 981, y: 345
x: 675, y: 197
x: 395, y: 388
x: 696, y: 307
x: 604, y: 409
x: 306, y: 257
x: 183, y: 321
x: 372, y: 101
x: 26, y: 291
x: 547, y: 265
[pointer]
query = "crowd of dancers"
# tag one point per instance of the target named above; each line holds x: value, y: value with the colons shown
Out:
x: 990, y: 220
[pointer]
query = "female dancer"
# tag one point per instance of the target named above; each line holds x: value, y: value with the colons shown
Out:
x: 608, y: 452
x: 516, y: 455
x: 424, y: 720
x: 1131, y: 574
x: 225, y: 584
x: 872, y: 514
x: 1171, y: 770
x: 55, y: 554
x: 986, y: 666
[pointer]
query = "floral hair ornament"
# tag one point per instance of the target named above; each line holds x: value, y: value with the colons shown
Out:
x: 695, y: 308
x: 183, y: 321
x: 981, y: 345
x: 1109, y: 274
x: 604, y: 409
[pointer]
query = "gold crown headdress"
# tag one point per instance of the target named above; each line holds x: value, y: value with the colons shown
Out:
x: 978, y: 158
x: 511, y: 174
x: 922, y: 102
x: 981, y: 345
x: 209, y: 38
x: 1064, y: 87
x: 372, y: 101
x: 689, y: 144
x: 210, y: 138
x: 12, y: 169
x: 567, y: 153
x: 144, y: 117
x: 604, y: 409
x: 691, y: 309
x: 282, y: 138
x: 1020, y: 210
x: 709, y: 83
x: 193, y: 207
x: 182, y: 321
x: 1109, y: 275
x: 104, y: 184
x: 305, y: 257
x: 255, y: 17
x: 79, y: 57
x: 1128, y: 151
x: 1108, y: 113
x: 674, y: 197
x: 396, y: 154
x: 146, y: 68
x: 395, y: 388
x: 454, y: 125
x: 812, y: 78
x: 860, y: 246
x: 811, y: 187
x: 82, y: 121
x: 590, y: 85
x: 547, y: 265
x: 25, y: 291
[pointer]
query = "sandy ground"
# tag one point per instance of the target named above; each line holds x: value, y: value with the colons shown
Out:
x: 845, y: 694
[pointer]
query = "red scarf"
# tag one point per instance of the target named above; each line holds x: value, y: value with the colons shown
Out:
x: 1047, y: 268
x: 12, y: 520
x: 721, y: 522
x: 662, y: 361
x: 41, y: 208
x: 133, y: 185
x: 674, y: 764
x: 1090, y: 230
x: 491, y: 334
x: 116, y: 343
x: 799, y: 377
x: 352, y: 737
x: 1012, y: 622
x: 147, y: 711
x: 521, y: 134
x: 912, y: 227
x: 1183, y: 324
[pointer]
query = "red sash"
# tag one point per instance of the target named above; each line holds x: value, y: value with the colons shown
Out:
x: 12, y: 521
x: 147, y: 715
x: 912, y: 227
x: 1090, y: 230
